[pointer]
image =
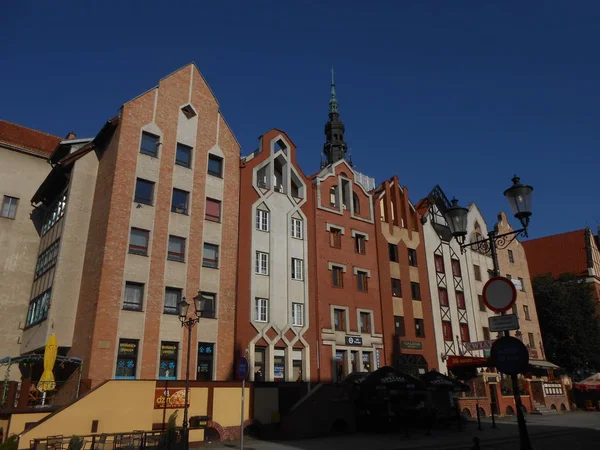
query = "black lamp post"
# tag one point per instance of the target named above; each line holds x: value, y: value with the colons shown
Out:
x: 189, y: 322
x: 519, y: 197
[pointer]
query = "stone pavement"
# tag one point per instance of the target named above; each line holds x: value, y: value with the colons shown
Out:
x: 570, y: 431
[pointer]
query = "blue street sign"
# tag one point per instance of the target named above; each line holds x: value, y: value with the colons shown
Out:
x: 242, y: 368
x: 510, y: 355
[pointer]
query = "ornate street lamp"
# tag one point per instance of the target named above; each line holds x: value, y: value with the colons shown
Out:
x: 189, y: 322
x: 519, y: 197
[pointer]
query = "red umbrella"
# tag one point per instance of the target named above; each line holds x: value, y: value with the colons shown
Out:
x: 589, y: 384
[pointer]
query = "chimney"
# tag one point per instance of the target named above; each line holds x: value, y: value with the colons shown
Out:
x: 70, y: 136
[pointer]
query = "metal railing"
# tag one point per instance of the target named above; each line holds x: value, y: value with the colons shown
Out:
x: 136, y: 440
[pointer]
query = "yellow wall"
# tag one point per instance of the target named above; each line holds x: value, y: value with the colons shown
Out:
x: 18, y: 421
x: 198, y: 407
x: 227, y: 406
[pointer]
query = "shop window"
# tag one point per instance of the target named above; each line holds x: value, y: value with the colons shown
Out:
x: 340, y: 365
x: 443, y: 295
x: 297, y: 366
x: 127, y: 359
x: 167, y: 367
x: 399, y: 326
x: 279, y: 365
x: 259, y: 363
x: 205, y: 361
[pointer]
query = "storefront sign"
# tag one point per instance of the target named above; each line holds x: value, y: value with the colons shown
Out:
x: 170, y: 398
x: 454, y: 361
x: 127, y: 348
x: 506, y: 322
x: 411, y: 345
x: 377, y: 365
x: 354, y: 340
x: 168, y: 349
x: 478, y: 345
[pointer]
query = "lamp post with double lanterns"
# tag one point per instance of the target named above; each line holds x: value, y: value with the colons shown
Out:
x: 189, y: 322
x: 519, y: 197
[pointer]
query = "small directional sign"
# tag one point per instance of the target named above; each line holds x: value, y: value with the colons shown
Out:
x: 506, y: 322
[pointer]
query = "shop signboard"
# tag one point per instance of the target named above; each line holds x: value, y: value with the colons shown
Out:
x: 411, y: 345
x: 479, y: 345
x: 354, y: 340
x: 170, y: 398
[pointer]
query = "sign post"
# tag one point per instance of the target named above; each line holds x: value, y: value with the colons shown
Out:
x: 241, y: 374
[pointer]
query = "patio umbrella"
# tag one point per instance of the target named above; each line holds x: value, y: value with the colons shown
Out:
x: 47, y: 382
x: 590, y: 383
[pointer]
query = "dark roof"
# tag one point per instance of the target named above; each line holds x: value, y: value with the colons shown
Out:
x: 29, y: 139
x: 560, y: 253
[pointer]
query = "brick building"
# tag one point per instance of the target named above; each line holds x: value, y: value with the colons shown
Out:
x: 23, y: 159
x: 408, y: 328
x: 276, y: 264
x: 136, y: 219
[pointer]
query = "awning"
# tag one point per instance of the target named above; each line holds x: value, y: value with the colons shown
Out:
x: 37, y: 357
x: 388, y: 376
x: 541, y: 364
x: 589, y: 384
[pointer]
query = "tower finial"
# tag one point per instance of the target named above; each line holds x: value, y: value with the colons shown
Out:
x: 333, y: 103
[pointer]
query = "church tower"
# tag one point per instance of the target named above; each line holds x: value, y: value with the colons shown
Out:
x: 335, y: 147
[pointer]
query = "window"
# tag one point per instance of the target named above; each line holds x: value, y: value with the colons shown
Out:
x: 447, y: 330
x: 262, y: 220
x: 176, y: 249
x: 179, y: 203
x: 526, y: 311
x: 144, y: 191
x: 361, y: 278
x: 333, y: 196
x: 531, y: 340
x: 393, y: 251
x: 456, y: 267
x: 210, y: 257
x: 365, y: 322
x: 486, y: 334
x: 399, y: 326
x: 355, y: 203
x: 297, y: 269
x: 297, y: 314
x: 206, y: 351
x: 509, y: 276
x: 38, y: 309
x: 339, y: 319
x: 134, y: 296
x: 522, y: 284
x: 297, y: 228
x: 127, y: 359
x: 443, y: 295
x: 511, y: 257
x: 47, y: 259
x: 188, y: 111
x: 477, y: 271
x: 261, y: 263
x: 173, y: 297
x: 415, y: 290
x: 210, y: 305
x: 213, y: 210
x: 412, y: 257
x: 482, y: 306
x: 215, y: 166
x: 138, y: 241
x: 419, y: 328
x: 56, y: 211
x: 167, y: 367
x: 335, y: 238
x: 396, y: 287
x: 261, y: 310
x: 464, y: 332
x: 337, y: 274
x: 460, y: 300
x: 9, y: 207
x: 149, y: 144
x: 515, y: 310
x: 360, y: 243
x: 183, y: 155
x: 439, y: 263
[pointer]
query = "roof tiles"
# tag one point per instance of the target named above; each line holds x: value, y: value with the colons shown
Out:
x: 29, y: 139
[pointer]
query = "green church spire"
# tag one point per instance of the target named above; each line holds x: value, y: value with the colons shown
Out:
x: 333, y: 103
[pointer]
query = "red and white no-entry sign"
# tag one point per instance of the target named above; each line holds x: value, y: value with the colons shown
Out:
x: 499, y: 294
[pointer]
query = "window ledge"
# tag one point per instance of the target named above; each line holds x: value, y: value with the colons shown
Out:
x: 175, y: 260
x: 139, y: 254
x: 34, y: 324
x: 131, y: 310
x: 210, y: 267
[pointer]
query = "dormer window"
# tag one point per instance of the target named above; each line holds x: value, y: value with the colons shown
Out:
x: 188, y: 111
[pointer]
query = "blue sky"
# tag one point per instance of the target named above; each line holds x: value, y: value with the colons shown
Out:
x: 457, y: 93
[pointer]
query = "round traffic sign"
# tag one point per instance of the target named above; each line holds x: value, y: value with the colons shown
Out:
x: 510, y: 355
x: 242, y: 368
x: 499, y: 294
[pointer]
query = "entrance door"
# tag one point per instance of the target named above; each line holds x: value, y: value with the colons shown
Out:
x: 494, y: 398
x: 339, y: 365
x: 355, y: 362
x: 537, y: 392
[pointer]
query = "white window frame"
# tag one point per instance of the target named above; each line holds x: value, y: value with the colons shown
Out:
x: 297, y: 228
x: 261, y: 310
x: 298, y: 314
x: 297, y: 269
x: 261, y: 263
x: 262, y: 220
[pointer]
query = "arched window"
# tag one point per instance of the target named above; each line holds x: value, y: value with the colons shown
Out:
x: 355, y: 203
x: 333, y: 196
